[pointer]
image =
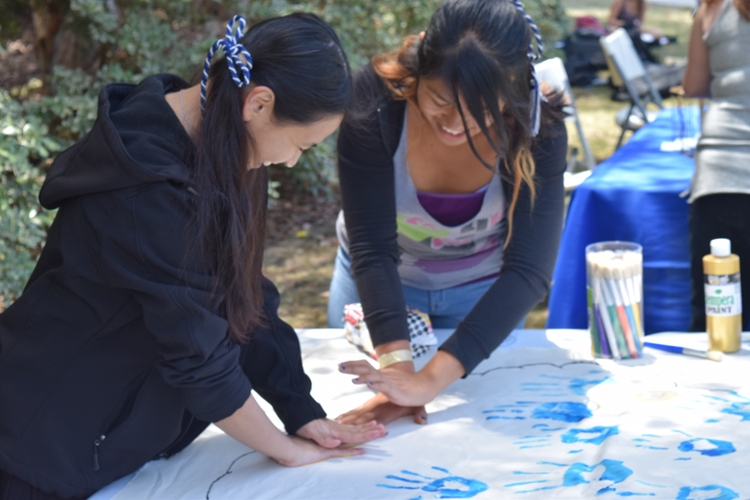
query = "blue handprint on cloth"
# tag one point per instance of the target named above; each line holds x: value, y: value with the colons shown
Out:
x: 594, y: 435
x: 738, y: 405
x: 725, y: 403
x: 716, y: 447
x: 722, y: 493
x: 705, y: 446
x: 562, y: 411
x: 448, y: 486
x: 563, y: 385
x: 615, y: 472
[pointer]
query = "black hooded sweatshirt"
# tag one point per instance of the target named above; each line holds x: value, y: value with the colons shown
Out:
x: 114, y: 354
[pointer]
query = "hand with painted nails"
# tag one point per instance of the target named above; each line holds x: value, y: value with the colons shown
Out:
x: 403, y: 388
x: 330, y: 433
x: 380, y: 409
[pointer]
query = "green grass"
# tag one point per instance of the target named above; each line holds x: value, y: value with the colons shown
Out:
x: 301, y: 267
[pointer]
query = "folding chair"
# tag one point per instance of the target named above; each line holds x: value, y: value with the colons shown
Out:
x: 626, y: 68
x: 552, y: 75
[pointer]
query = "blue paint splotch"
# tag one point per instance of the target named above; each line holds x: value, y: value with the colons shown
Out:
x: 717, y: 449
x: 449, y: 486
x: 741, y: 409
x: 722, y: 492
x: 612, y: 489
x: 509, y: 411
x: 546, y: 428
x: 562, y: 411
x: 738, y: 405
x: 646, y: 440
x: 651, y: 484
x: 597, y: 434
x: 614, y: 471
x: 578, y: 385
x: 524, y: 483
x: 534, y: 442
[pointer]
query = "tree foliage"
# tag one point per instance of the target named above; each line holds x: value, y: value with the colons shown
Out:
x: 24, y: 145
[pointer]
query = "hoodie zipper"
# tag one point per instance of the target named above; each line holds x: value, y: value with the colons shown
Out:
x: 97, y: 442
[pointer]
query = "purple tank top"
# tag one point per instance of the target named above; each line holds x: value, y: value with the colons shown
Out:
x: 452, y: 209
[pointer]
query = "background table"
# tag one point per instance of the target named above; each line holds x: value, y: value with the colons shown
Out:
x: 540, y: 419
x: 635, y: 195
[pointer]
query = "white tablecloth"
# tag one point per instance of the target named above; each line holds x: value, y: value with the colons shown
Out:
x: 540, y: 419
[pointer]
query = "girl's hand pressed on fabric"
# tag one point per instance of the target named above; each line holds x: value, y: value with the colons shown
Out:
x: 407, y: 389
x: 378, y: 408
x: 331, y: 434
x: 250, y: 426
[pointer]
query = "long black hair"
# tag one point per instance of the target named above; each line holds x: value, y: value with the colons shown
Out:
x: 479, y: 50
x: 300, y: 58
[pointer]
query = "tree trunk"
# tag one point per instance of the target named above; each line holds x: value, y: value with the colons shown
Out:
x: 48, y: 17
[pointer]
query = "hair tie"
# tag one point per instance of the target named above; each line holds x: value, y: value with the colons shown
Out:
x: 532, y: 56
x: 239, y: 60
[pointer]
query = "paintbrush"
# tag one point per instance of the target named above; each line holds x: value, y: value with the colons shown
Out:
x: 712, y: 355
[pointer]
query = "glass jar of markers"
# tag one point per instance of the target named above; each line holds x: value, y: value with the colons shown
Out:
x: 614, y: 288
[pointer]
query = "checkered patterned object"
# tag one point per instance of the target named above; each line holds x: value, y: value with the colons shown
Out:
x: 421, y: 335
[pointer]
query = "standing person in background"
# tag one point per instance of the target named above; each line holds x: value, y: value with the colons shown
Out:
x: 147, y: 316
x: 719, y: 68
x: 451, y: 168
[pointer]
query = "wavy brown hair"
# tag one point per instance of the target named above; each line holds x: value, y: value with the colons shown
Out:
x: 478, y: 48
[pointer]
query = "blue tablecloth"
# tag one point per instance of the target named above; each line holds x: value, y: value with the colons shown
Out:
x: 634, y: 196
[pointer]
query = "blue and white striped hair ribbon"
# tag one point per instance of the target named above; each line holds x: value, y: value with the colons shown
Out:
x: 239, y: 60
x: 533, y: 56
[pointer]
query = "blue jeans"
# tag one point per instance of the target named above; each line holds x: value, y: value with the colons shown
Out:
x: 446, y: 307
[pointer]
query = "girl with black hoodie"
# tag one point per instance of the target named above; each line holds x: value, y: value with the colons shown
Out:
x: 147, y: 315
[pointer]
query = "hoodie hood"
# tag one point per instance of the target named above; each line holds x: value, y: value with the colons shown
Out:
x: 136, y: 139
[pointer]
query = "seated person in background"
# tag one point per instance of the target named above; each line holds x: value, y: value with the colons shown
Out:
x: 451, y: 169
x: 718, y: 67
x: 629, y: 14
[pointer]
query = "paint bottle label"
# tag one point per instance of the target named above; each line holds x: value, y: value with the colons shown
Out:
x: 721, y: 269
x: 723, y: 295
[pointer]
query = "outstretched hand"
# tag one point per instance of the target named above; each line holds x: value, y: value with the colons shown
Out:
x: 307, y: 452
x: 383, y: 411
x: 331, y: 434
x: 405, y: 388
x: 401, y: 388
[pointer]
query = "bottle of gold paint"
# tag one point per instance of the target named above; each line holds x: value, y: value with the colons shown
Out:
x: 723, y: 297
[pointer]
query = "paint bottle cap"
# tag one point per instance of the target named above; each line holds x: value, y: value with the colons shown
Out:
x: 721, y: 247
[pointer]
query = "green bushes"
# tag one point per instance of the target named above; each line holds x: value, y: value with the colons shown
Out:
x: 24, y: 147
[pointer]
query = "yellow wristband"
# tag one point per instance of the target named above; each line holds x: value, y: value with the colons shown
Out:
x: 389, y: 358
